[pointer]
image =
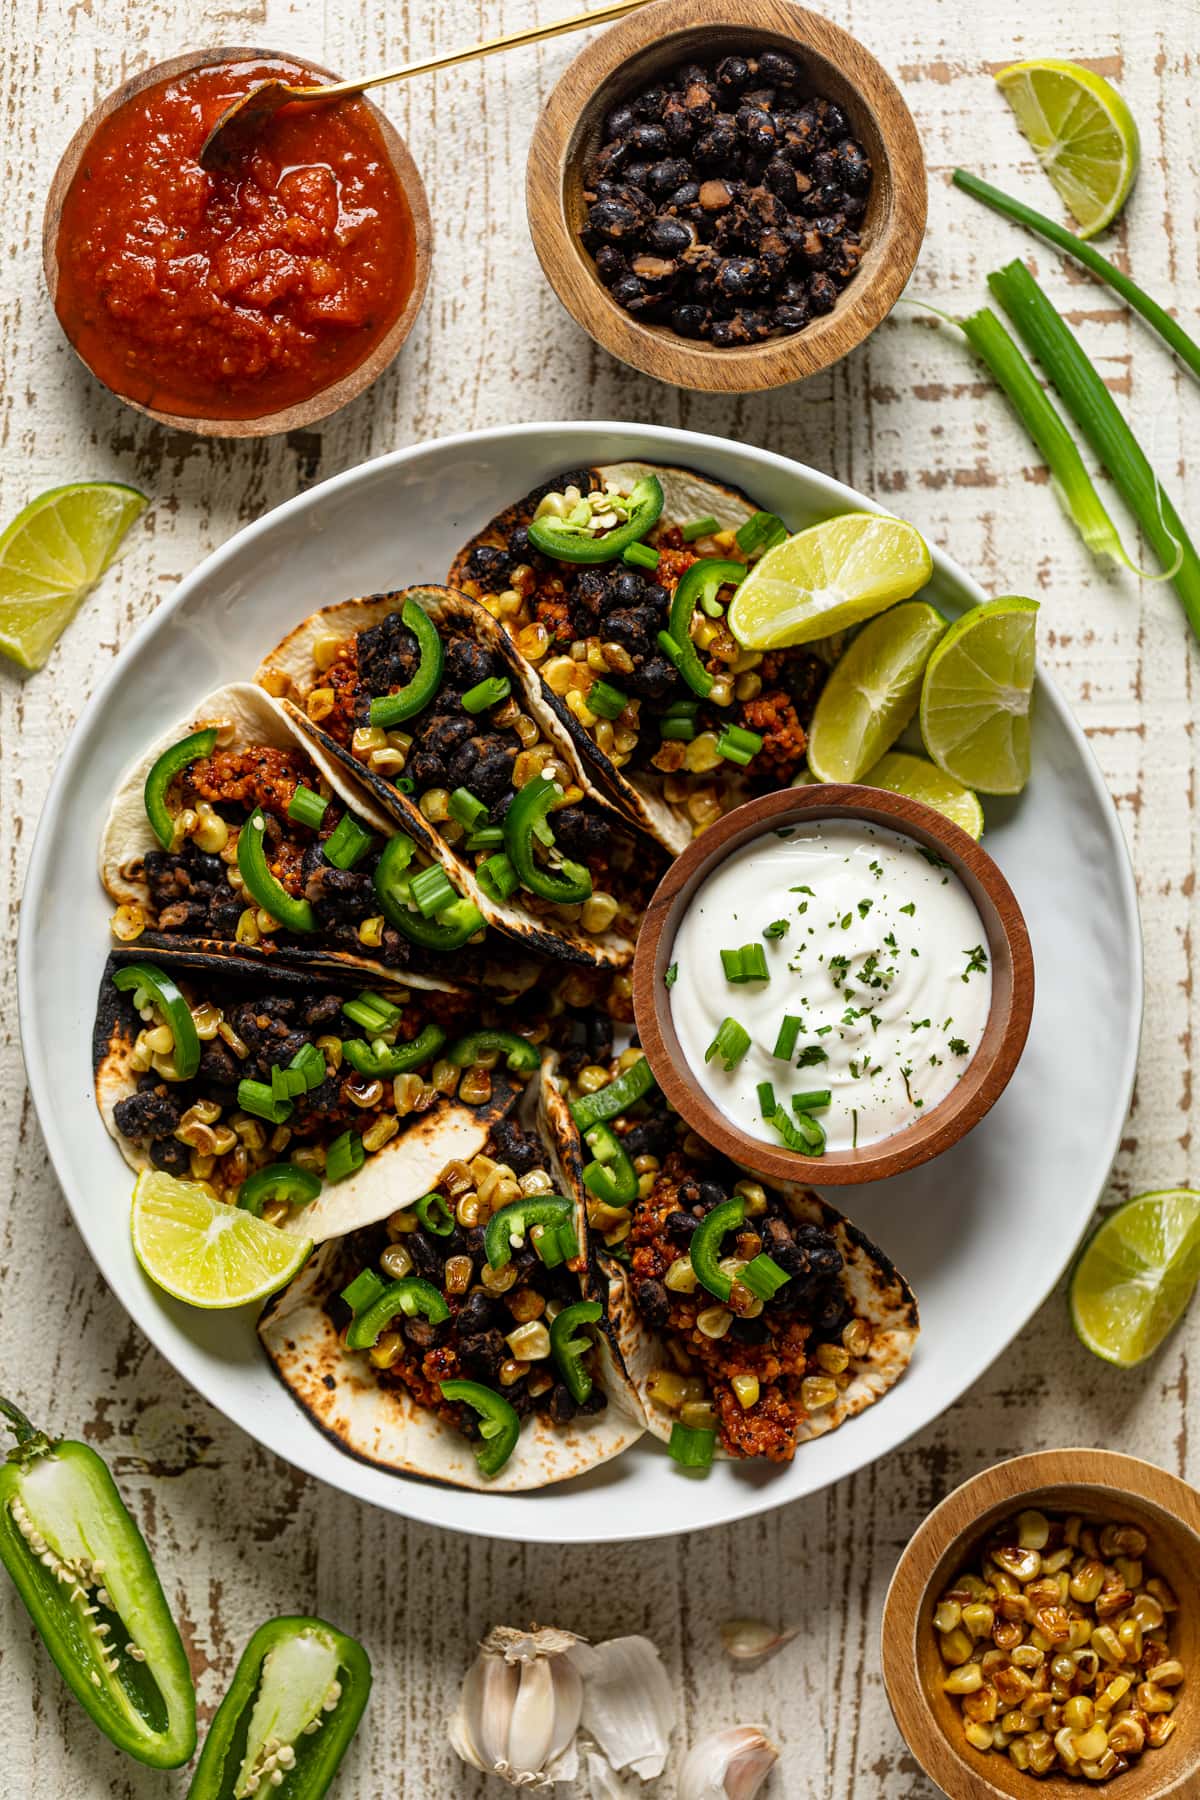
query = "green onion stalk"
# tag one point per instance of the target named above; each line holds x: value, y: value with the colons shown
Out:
x: 1185, y: 347
x: 1096, y: 413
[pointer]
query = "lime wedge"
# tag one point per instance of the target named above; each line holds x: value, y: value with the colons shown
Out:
x: 873, y: 692
x: 52, y: 555
x: 917, y: 779
x: 1136, y: 1274
x: 206, y: 1253
x: 1082, y: 133
x: 824, y: 579
x: 977, y: 693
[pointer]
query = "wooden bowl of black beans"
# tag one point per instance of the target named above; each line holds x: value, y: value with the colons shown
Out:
x: 726, y: 194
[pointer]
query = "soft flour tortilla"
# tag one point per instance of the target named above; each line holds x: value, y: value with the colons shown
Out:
x: 127, y: 838
x: 386, y: 1427
x: 406, y: 1167
x: 453, y: 614
x: 878, y: 1292
x: 686, y: 495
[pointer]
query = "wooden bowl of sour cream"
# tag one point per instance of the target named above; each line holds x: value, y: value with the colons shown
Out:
x: 904, y: 1089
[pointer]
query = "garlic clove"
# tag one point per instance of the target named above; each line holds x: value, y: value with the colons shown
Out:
x: 568, y: 1707
x: 478, y: 1729
x: 727, y: 1765
x: 628, y: 1703
x: 753, y: 1640
x: 531, y: 1725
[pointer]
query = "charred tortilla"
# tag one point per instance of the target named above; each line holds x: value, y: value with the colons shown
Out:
x: 583, y: 623
x: 334, y: 665
x: 254, y: 1019
x: 393, y: 1416
x: 192, y: 898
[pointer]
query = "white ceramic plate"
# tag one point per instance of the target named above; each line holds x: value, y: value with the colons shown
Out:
x: 982, y: 1233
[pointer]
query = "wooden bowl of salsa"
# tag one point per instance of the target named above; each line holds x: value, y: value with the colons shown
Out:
x: 250, y: 301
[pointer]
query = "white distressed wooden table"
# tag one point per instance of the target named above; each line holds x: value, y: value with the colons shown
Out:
x: 239, y: 1536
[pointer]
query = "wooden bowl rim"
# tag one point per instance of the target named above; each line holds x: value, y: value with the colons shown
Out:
x: 946, y: 1537
x: 862, y: 304
x: 1011, y: 1007
x: 328, y: 399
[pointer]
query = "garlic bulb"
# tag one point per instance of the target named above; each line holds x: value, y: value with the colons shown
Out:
x: 519, y: 1708
x: 728, y: 1765
x: 753, y: 1640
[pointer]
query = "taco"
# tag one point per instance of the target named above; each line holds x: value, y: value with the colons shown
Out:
x: 420, y: 696
x: 322, y: 1108
x: 673, y: 721
x: 439, y: 1346
x: 749, y: 1317
x: 314, y: 884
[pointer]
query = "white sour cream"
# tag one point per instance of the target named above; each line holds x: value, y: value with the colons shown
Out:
x: 875, y: 947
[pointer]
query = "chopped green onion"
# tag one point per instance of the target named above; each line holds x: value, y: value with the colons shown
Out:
x: 1073, y: 486
x: 763, y: 530
x: 486, y: 837
x: 815, y: 1100
x: 547, y: 1245
x: 347, y: 843
x: 1095, y: 412
x: 306, y: 808
x: 434, y: 1215
x: 777, y: 928
x: 729, y: 1046
x: 672, y: 975
x: 605, y: 701
x: 682, y: 729
x: 487, y: 693
x: 789, y: 1032
x: 310, y: 1065
x: 1184, y: 346
x: 766, y: 1099
x: 285, y: 1084
x: 568, y: 1240
x: 431, y: 890
x: 363, y: 1291
x: 685, y: 708
x: 738, y: 745
x: 698, y: 528
x: 763, y: 1276
x: 344, y: 1156
x: 497, y: 877
x: 466, y: 808
x: 260, y: 1099
x: 747, y: 964
x: 692, y: 1446
x: 372, y: 1012
x: 640, y: 556
x: 810, y: 1130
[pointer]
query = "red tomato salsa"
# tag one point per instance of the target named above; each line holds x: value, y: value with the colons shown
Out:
x: 232, y: 294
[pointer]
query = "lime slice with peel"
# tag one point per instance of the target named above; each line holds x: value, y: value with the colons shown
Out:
x: 1136, y: 1274
x: 51, y: 557
x: 917, y: 779
x: 977, y: 694
x: 873, y: 692
x: 204, y: 1252
x: 1082, y: 133
x: 828, y: 578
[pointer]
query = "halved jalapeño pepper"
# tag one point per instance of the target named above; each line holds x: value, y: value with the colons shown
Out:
x: 449, y: 931
x: 706, y: 1245
x: 263, y: 888
x: 278, y: 1181
x: 524, y: 820
x: 512, y: 1224
x: 392, y: 709
x: 611, y: 1177
x: 395, y: 1059
x: 82, y: 1568
x: 499, y: 1423
x: 568, y: 1350
x: 292, y: 1707
x: 171, y: 763
x: 697, y: 585
x: 409, y: 1296
x: 520, y: 1056
x: 575, y: 544
x: 172, y: 1009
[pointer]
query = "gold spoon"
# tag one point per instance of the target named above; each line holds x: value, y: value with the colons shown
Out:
x: 252, y: 111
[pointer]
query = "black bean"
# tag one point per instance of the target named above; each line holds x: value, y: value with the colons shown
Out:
x: 628, y: 290
x: 648, y: 139
x: 738, y: 276
x: 853, y: 166
x: 824, y: 167
x: 757, y: 128
x: 649, y: 104
x: 663, y: 177
x: 612, y: 219
x: 686, y: 195
x: 733, y: 74
x: 679, y: 1226
x: 653, y: 1302
x: 689, y: 321
x: 789, y: 317
x: 619, y: 121
x: 822, y: 293
x: 777, y: 66
x: 171, y: 1156
x: 611, y: 264
x: 834, y: 119
x: 718, y: 142
x: 678, y: 124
